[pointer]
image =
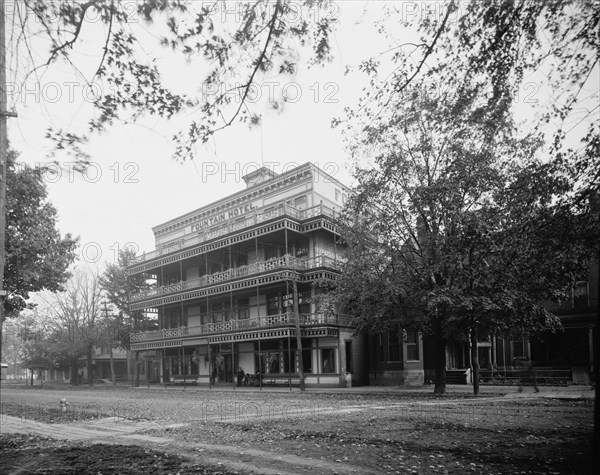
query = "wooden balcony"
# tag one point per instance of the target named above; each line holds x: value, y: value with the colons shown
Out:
x: 268, y: 322
x: 274, y: 264
x: 202, y: 237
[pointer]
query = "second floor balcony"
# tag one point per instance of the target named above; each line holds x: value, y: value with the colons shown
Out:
x: 306, y: 320
x: 276, y: 263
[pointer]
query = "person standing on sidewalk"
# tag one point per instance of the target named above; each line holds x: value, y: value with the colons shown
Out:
x: 527, y: 374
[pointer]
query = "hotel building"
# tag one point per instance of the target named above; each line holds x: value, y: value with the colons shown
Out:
x: 228, y: 277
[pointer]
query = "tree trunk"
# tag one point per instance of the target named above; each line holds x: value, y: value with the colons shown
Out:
x: 440, y: 367
x: 137, y: 369
x: 89, y: 368
x: 112, y: 362
x: 73, y: 374
x: 474, y: 361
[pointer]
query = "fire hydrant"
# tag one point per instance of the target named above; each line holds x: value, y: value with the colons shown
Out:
x: 63, y: 404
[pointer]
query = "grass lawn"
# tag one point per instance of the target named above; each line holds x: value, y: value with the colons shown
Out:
x: 199, y: 431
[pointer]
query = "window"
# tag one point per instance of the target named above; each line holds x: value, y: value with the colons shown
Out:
x: 272, y: 304
x: 272, y: 362
x: 242, y: 309
x: 298, y: 248
x: 220, y: 311
x: 580, y: 296
x: 171, y: 319
x: 300, y: 203
x: 303, y: 302
x: 412, y: 346
x: 394, y: 344
x: 519, y: 349
x: 328, y: 360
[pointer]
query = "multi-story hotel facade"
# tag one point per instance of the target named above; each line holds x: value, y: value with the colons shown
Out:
x: 228, y: 277
x: 236, y: 280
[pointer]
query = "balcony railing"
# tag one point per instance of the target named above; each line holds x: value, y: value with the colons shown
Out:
x: 285, y: 262
x: 203, y: 236
x: 255, y: 323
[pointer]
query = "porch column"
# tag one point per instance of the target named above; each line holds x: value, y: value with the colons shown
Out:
x: 161, y: 365
x: 591, y: 349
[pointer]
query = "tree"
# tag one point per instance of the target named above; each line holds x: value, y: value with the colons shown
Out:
x: 75, y: 319
x: 13, y: 349
x: 38, y: 356
x: 234, y: 45
x: 457, y: 232
x: 500, y: 45
x: 119, y: 286
x: 37, y: 257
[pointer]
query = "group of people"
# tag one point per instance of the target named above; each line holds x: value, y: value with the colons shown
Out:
x: 245, y: 379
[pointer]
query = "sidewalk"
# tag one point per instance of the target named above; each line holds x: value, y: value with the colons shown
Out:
x: 556, y: 392
x: 108, y: 430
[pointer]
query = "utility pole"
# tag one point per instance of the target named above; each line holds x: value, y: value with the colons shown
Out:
x: 3, y: 152
x: 110, y: 345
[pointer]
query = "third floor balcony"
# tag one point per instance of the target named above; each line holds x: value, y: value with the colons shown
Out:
x: 277, y: 263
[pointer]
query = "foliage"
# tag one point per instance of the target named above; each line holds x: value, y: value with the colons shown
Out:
x: 37, y: 257
x: 235, y: 44
x: 74, y: 322
x: 514, y: 56
x: 38, y: 355
x: 13, y: 347
x: 119, y: 286
x: 455, y: 228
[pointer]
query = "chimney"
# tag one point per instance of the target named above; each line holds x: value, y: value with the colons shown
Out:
x: 259, y: 176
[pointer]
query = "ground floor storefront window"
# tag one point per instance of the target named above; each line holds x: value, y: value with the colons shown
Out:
x: 224, y: 362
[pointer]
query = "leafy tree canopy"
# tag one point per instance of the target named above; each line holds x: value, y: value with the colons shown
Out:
x: 37, y: 256
x: 236, y: 43
x: 455, y: 226
x: 119, y: 286
x: 497, y: 43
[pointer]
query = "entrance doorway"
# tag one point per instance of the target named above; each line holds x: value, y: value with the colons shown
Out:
x: 485, y: 357
x: 224, y: 368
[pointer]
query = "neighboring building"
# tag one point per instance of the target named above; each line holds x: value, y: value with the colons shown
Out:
x: 100, y: 367
x: 396, y: 358
x: 225, y: 279
x: 568, y: 354
x: 574, y: 348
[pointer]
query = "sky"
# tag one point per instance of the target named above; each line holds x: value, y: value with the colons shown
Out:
x: 133, y: 183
